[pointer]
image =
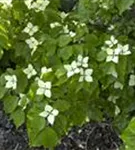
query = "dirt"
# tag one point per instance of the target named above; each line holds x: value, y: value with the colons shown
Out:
x: 91, y: 136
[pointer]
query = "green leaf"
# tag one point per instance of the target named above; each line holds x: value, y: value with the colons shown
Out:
x: 3, y: 90
x: 47, y: 137
x: 123, y: 5
x: 101, y: 56
x: 62, y: 105
x: 35, y: 123
x: 22, y: 81
x: 10, y: 103
x: 18, y: 117
x: 66, y: 52
x: 128, y: 135
x: 64, y: 40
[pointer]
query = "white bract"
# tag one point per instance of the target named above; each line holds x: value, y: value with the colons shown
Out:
x: 44, y: 88
x: 132, y: 80
x: 39, y: 5
x: 6, y: 3
x: 23, y: 101
x: 45, y: 70
x: 86, y: 75
x: 118, y: 85
x: 11, y: 81
x: 32, y: 43
x: 72, y: 69
x: 112, y: 55
x: 82, y: 62
x: 55, y: 24
x: 30, y: 29
x: 49, y: 113
x: 65, y: 29
x: 124, y: 50
x: 111, y: 27
x: 30, y: 71
x: 111, y: 42
x: 72, y: 34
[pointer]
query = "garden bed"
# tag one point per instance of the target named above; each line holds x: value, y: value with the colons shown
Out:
x: 91, y: 136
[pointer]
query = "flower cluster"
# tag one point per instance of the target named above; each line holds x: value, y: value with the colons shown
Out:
x: 114, y: 49
x: 67, y: 31
x: 30, y: 71
x: 44, y: 88
x: 80, y: 66
x: 38, y: 5
x: 30, y: 29
x: 49, y: 113
x: 11, y: 81
x: 32, y: 42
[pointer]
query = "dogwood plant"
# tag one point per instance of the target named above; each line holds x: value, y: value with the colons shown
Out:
x: 61, y: 68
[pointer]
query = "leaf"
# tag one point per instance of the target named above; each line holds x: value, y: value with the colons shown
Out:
x: 2, y: 91
x: 122, y: 69
x: 64, y: 40
x: 18, y: 117
x: 101, y: 56
x: 123, y: 5
x: 47, y: 137
x: 62, y: 105
x: 10, y: 103
x: 66, y: 52
x: 35, y: 123
x: 128, y: 135
x: 22, y: 81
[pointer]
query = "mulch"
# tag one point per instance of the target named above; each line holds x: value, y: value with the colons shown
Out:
x: 90, y: 136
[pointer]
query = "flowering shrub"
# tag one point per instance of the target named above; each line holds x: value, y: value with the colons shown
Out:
x: 62, y: 69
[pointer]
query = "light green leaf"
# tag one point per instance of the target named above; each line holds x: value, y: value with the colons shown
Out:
x: 123, y: 5
x: 10, y: 103
x: 64, y: 40
x: 18, y: 117
x: 47, y: 137
x: 66, y: 52
x: 128, y: 135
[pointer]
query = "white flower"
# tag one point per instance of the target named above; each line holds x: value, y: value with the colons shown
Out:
x: 6, y: 3
x: 132, y: 80
x: 23, y: 101
x: 111, y: 42
x: 118, y: 85
x: 32, y: 43
x: 113, y: 55
x: 30, y: 71
x: 55, y: 24
x: 65, y: 29
x: 40, y: 5
x: 83, y: 62
x: 72, y: 69
x: 49, y: 113
x: 28, y: 3
x: 63, y: 15
x: 11, y: 81
x: 44, y: 88
x: 72, y: 34
x: 30, y: 29
x: 45, y: 70
x: 124, y: 50
x: 111, y: 27
x: 86, y: 75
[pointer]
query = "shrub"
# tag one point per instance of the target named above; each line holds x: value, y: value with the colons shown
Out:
x: 62, y: 69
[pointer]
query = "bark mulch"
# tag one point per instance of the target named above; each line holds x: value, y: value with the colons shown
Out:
x: 91, y: 136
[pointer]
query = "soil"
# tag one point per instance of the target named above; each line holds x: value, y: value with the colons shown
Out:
x: 91, y: 136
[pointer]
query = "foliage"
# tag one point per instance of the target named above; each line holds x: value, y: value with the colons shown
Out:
x: 62, y: 69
